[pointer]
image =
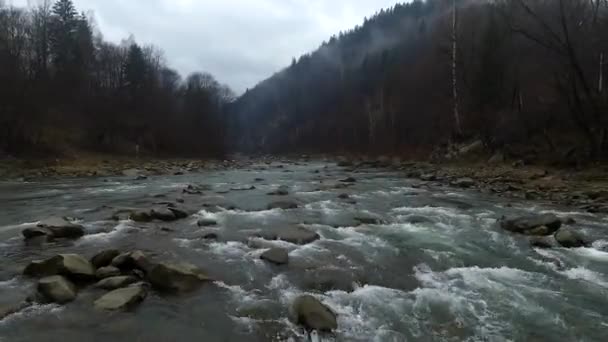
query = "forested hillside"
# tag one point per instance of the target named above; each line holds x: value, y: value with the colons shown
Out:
x: 529, y: 79
x: 63, y: 88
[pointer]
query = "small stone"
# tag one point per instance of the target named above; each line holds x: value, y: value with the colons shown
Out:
x: 113, y: 283
x: 181, y: 277
x: 278, y: 256
x: 570, y: 239
x: 314, y: 315
x: 122, y: 299
x: 104, y: 258
x: 107, y: 272
x: 57, y: 289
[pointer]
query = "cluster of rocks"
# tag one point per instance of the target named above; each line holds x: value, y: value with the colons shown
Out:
x: 546, y: 231
x: 126, y: 276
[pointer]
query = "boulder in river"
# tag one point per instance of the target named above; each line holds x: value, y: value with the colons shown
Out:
x: 141, y: 215
x: 368, y: 220
x: 531, y: 225
x: 132, y: 260
x: 107, y: 272
x: 277, y: 256
x: 314, y: 315
x: 72, y: 266
x: 295, y: 235
x: 181, y: 277
x: 570, y: 239
x: 349, y: 180
x: 204, y: 222
x: 285, y: 205
x: 56, y: 289
x: 163, y: 214
x: 104, y: 258
x: 543, y: 242
x: 55, y: 228
x: 118, y: 282
x: 122, y: 299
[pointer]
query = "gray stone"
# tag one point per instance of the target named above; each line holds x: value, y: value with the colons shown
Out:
x: 543, y: 242
x: 163, y: 214
x: 278, y: 256
x: 114, y: 283
x: 314, y: 315
x: 285, y: 205
x: 206, y: 222
x: 107, y: 272
x: 181, y: 277
x: 570, y: 239
x: 72, y: 266
x: 56, y: 289
x: 132, y: 260
x: 141, y: 216
x: 55, y: 228
x: 529, y: 223
x: 368, y: 220
x: 295, y: 235
x: 122, y: 299
x: 104, y: 258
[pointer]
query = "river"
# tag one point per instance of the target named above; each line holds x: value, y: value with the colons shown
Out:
x: 435, y: 267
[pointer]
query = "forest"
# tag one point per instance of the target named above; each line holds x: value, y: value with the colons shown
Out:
x: 524, y: 77
x: 64, y: 89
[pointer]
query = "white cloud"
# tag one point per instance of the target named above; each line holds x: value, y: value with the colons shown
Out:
x: 241, y: 42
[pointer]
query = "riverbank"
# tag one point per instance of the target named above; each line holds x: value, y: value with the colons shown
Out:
x: 585, y: 189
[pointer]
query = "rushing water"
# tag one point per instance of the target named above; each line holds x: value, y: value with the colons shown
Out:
x: 452, y: 275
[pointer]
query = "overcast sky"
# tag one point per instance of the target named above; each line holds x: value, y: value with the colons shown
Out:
x: 241, y: 42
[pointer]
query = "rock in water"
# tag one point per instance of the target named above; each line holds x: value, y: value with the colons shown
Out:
x: 114, y: 283
x: 570, y: 239
x: 72, y: 266
x: 57, y: 289
x: 464, y: 183
x: 285, y: 205
x: 107, y: 272
x: 206, y: 222
x: 55, y: 228
x: 278, y: 256
x: 298, y: 236
x: 104, y: 258
x: 163, y: 214
x: 176, y: 277
x: 543, y: 242
x: 141, y: 216
x: 349, y: 180
x: 132, y: 260
x: 527, y: 225
x: 314, y: 315
x: 122, y: 299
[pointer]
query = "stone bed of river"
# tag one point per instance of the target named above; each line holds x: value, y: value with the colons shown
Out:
x: 434, y: 267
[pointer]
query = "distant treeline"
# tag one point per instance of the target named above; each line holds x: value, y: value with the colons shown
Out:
x: 526, y: 76
x: 63, y: 88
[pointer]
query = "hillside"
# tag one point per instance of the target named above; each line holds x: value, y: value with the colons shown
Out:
x: 525, y: 83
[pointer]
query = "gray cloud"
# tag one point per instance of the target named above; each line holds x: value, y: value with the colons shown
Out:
x: 241, y: 42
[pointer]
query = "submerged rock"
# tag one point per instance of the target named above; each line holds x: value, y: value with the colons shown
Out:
x: 349, y: 180
x: 104, y: 258
x: 368, y: 220
x: 282, y: 190
x: 278, y: 256
x: 206, y: 222
x: 543, y: 242
x: 113, y: 283
x: 176, y: 277
x: 531, y: 225
x: 122, y: 299
x: 295, y: 235
x: 314, y: 315
x: 72, y: 266
x: 163, y: 214
x: 56, y: 289
x: 570, y: 239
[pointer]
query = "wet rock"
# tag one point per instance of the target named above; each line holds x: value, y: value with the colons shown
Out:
x: 418, y: 219
x: 107, y: 272
x: 285, y: 205
x: 345, y: 163
x: 141, y: 216
x: 114, y: 283
x: 464, y: 183
x: 7, y: 309
x: 278, y: 256
x: 368, y: 220
x: 543, y: 242
x: 570, y: 239
x: 295, y: 235
x: 163, y: 214
x: 181, y: 277
x: 122, y: 299
x: 56, y: 289
x: 55, y: 228
x: 344, y: 196
x: 314, y: 315
x: 180, y: 212
x: 330, y: 279
x: 132, y: 260
x: 72, y: 266
x: 210, y: 236
x: 528, y: 224
x: 349, y: 180
x: 206, y: 222
x: 538, y: 231
x: 283, y: 190
x: 104, y: 258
